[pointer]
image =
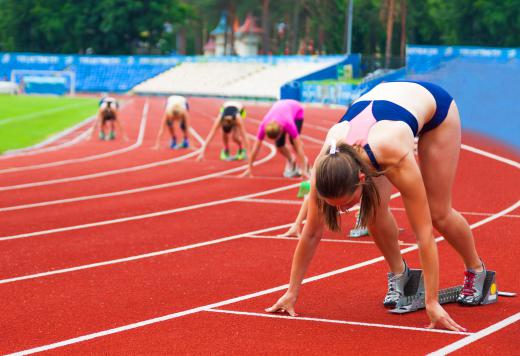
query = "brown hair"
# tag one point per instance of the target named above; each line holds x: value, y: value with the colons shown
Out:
x: 272, y: 130
x: 337, y: 175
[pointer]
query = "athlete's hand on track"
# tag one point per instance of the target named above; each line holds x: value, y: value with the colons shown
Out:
x: 440, y: 318
x: 200, y: 157
x: 292, y: 232
x: 247, y: 173
x: 284, y: 305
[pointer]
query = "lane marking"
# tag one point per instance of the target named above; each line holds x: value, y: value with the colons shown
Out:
x: 139, y: 141
x: 469, y: 213
x: 299, y: 202
x: 145, y: 188
x: 157, y: 253
x: 363, y: 242
x: 476, y: 336
x: 142, y: 256
x: 123, y: 170
x: 491, y: 155
x: 147, y: 215
x: 232, y: 300
x: 334, y: 321
x: 91, y: 176
x: 273, y: 201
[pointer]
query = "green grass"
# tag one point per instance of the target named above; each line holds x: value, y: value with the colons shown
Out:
x: 27, y: 120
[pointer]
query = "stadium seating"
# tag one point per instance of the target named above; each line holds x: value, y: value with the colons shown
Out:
x: 249, y: 79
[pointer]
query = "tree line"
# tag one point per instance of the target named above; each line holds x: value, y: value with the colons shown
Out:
x: 379, y: 27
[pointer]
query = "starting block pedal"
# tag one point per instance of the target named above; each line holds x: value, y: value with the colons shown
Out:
x: 413, y: 299
x: 305, y: 188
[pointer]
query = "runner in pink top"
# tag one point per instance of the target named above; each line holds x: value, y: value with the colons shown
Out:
x: 286, y: 113
x: 284, y: 117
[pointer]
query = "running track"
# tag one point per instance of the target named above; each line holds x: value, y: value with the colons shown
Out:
x: 115, y: 248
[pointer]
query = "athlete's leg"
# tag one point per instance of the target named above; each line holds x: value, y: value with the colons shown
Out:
x: 225, y: 140
x: 236, y: 137
x: 438, y: 156
x: 384, y: 229
x: 385, y: 232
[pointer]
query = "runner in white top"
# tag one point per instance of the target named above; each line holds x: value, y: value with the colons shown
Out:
x: 177, y: 110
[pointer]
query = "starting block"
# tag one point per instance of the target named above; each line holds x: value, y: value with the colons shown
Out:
x: 305, y: 188
x: 413, y: 299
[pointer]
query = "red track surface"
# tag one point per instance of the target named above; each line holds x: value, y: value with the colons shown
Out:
x: 98, y: 270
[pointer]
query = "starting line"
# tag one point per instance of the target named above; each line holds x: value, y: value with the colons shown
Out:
x: 333, y: 321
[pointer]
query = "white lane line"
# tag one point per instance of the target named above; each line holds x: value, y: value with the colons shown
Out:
x: 91, y: 176
x: 145, y: 188
x: 247, y: 234
x: 148, y: 215
x: 7, y: 120
x: 138, y: 143
x: 142, y: 256
x: 491, y: 155
x: 273, y: 201
x: 232, y: 300
x: 362, y: 242
x: 298, y: 202
x: 334, y: 321
x: 474, y: 213
x: 476, y: 336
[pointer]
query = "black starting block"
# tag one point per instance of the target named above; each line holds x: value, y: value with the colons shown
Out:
x: 413, y: 298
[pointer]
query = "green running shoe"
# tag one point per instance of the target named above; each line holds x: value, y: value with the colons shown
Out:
x: 224, y: 155
x: 101, y: 135
x: 241, y: 154
x: 112, y: 135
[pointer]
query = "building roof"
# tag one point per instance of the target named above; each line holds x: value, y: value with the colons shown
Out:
x: 221, y: 27
x: 249, y: 26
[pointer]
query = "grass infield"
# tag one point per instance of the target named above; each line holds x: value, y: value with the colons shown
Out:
x: 27, y: 120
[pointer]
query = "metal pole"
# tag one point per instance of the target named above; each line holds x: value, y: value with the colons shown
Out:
x: 349, y: 32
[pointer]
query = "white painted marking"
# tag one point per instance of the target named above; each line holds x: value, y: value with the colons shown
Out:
x: 145, y: 188
x: 476, y: 336
x: 274, y: 201
x: 362, y: 242
x: 138, y: 143
x: 491, y: 155
x: 92, y: 176
x: 140, y: 257
x: 333, y: 321
x: 474, y: 213
x: 146, y: 216
x: 229, y: 301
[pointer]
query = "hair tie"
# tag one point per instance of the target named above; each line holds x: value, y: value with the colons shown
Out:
x: 333, y: 148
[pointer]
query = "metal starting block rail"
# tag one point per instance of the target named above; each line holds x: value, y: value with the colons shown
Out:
x: 413, y: 299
